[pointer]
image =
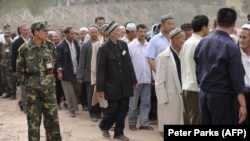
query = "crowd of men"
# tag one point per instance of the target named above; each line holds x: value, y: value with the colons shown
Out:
x: 192, y: 74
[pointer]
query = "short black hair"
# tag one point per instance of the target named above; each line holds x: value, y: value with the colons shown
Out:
x: 199, y: 21
x: 18, y: 30
x: 226, y: 17
x: 99, y: 18
x: 67, y: 29
x: 248, y: 17
x: 142, y: 26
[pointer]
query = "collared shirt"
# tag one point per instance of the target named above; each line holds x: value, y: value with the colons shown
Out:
x: 188, y: 76
x: 125, y: 39
x: 137, y: 53
x: 246, y: 63
x: 73, y: 55
x: 219, y: 67
x: 2, y: 39
x: 25, y: 39
x: 156, y: 45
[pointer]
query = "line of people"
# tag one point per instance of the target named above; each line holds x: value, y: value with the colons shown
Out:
x: 195, y: 75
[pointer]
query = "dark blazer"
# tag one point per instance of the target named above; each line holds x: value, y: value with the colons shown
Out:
x: 16, y: 44
x: 85, y: 62
x: 63, y: 60
x: 115, y: 72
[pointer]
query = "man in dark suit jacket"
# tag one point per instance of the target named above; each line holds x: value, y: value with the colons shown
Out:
x: 115, y: 81
x: 24, y: 37
x: 67, y: 57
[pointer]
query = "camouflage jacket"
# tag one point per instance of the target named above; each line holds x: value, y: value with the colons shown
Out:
x: 6, y: 55
x: 32, y: 60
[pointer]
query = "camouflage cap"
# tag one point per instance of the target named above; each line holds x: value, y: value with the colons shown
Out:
x: 40, y: 25
x: 7, y: 33
x: 6, y: 25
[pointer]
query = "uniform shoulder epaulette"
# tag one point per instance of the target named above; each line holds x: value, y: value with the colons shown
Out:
x: 22, y: 46
x: 50, y: 44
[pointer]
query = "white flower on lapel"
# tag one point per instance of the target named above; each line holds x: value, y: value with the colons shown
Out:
x: 124, y: 52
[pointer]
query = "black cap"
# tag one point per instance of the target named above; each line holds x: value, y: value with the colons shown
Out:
x: 186, y: 26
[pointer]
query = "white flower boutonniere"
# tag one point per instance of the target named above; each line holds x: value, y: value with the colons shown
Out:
x: 124, y: 52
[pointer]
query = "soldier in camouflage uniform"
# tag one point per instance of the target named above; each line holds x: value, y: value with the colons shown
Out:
x: 8, y: 80
x: 1, y: 85
x: 34, y: 70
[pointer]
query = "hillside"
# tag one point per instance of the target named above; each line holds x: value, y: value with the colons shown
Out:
x: 147, y: 12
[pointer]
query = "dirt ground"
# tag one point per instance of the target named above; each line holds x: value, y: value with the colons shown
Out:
x: 13, y: 126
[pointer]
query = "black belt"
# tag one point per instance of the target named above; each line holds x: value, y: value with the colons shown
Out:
x: 40, y: 74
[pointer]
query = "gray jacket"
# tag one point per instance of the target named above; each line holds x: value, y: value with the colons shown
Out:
x: 85, y: 62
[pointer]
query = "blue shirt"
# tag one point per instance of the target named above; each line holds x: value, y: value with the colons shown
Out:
x: 156, y: 45
x: 218, y: 65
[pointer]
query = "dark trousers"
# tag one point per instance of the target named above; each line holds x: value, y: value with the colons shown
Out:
x: 217, y: 108
x: 247, y: 121
x: 59, y: 92
x: 94, y: 111
x: 83, y: 96
x: 59, y: 89
x: 115, y: 113
x: 153, y: 102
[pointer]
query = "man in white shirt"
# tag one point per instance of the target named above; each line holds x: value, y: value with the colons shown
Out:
x: 244, y: 43
x: 189, y: 82
x: 137, y: 50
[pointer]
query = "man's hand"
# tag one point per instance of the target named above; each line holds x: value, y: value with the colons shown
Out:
x: 14, y: 74
x: 79, y: 80
x: 242, y: 114
x: 60, y: 75
x: 100, y: 94
x: 242, y: 109
x: 135, y: 86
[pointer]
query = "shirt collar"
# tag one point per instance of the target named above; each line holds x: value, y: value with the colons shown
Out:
x: 196, y: 36
x: 242, y: 52
x: 25, y: 39
x: 32, y: 45
x: 137, y: 43
x: 174, y: 51
x: 68, y: 41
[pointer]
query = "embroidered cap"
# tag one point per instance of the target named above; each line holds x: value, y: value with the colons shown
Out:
x: 166, y: 17
x: 175, y: 32
x: 104, y: 26
x: 94, y: 25
x: 111, y: 26
x: 186, y: 26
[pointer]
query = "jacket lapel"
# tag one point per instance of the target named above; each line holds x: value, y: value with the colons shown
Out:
x: 173, y: 69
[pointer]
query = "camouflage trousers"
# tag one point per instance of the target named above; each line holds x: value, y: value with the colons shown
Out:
x: 8, y: 82
x: 1, y: 85
x: 42, y: 101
